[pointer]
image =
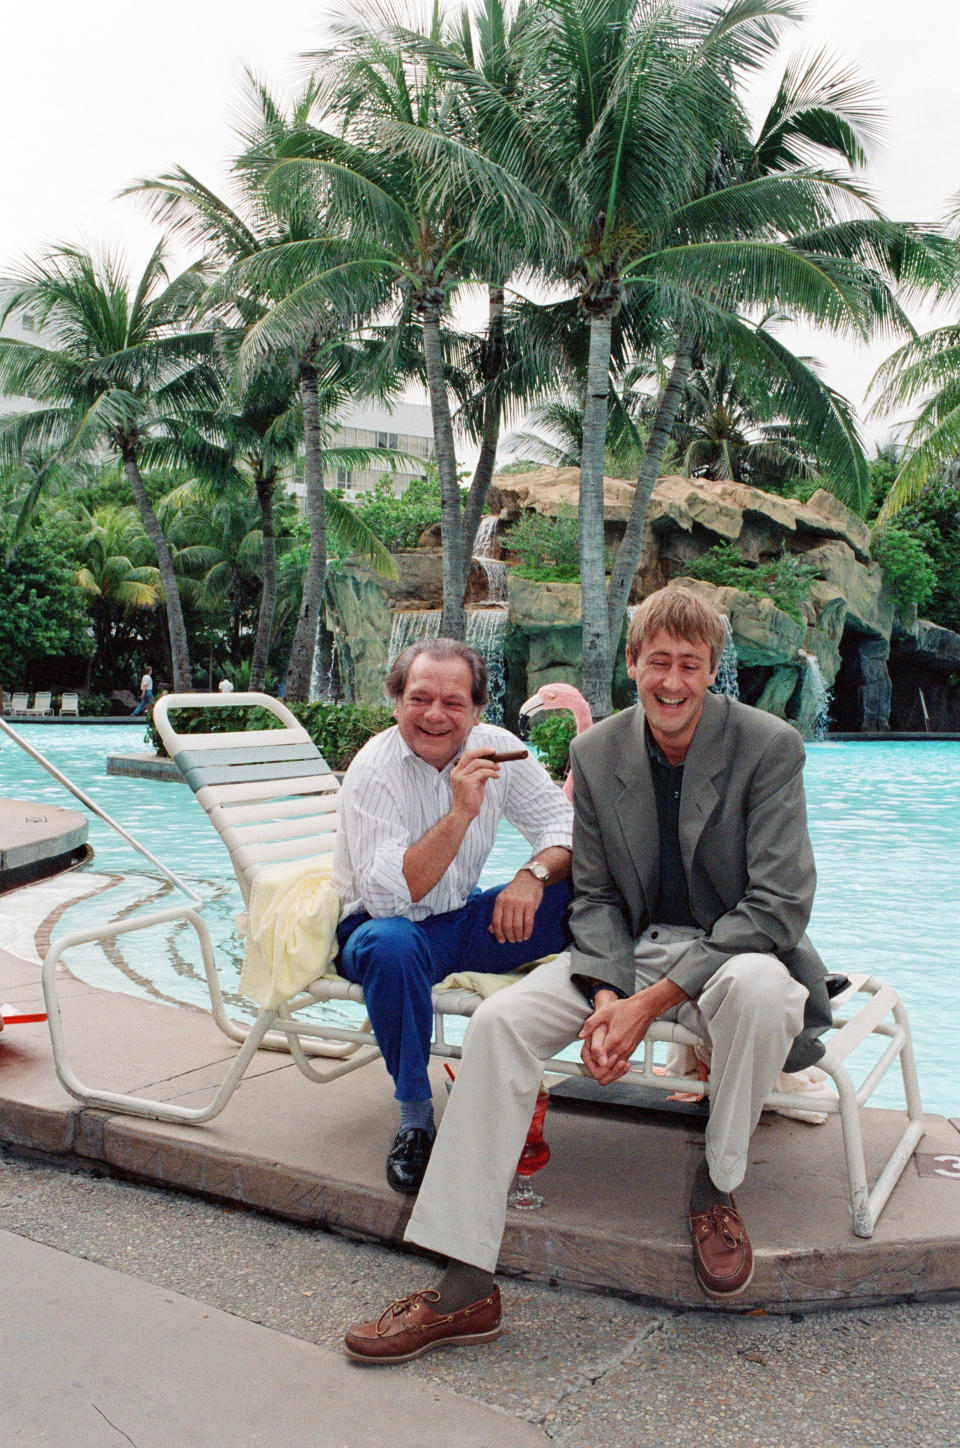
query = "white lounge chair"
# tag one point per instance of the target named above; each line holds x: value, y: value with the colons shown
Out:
x: 18, y: 703
x: 70, y: 704
x: 41, y: 705
x: 271, y: 797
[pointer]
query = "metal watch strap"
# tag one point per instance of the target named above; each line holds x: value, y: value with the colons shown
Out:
x: 538, y: 870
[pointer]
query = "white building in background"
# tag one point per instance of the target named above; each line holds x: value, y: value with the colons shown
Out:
x: 21, y: 327
x: 406, y: 426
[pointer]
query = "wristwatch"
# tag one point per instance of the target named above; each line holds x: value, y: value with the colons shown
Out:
x: 539, y: 869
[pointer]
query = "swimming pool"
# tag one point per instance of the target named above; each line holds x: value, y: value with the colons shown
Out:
x: 884, y: 818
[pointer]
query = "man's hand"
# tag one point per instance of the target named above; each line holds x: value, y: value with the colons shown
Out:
x: 515, y: 908
x: 468, y: 780
x: 616, y: 1027
x: 427, y: 860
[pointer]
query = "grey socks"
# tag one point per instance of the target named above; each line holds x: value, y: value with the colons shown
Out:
x: 705, y: 1195
x: 460, y: 1285
x: 417, y: 1113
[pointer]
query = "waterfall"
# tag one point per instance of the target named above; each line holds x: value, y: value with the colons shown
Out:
x: 486, y: 533
x: 815, y: 700
x: 492, y: 566
x: 408, y: 626
x: 726, y: 680
x: 486, y: 628
x: 496, y: 578
x: 325, y: 679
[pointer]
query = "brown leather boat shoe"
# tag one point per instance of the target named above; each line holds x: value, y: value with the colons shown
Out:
x: 722, y: 1255
x: 410, y: 1327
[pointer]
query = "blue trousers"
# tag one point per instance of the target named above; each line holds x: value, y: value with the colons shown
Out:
x: 398, y: 961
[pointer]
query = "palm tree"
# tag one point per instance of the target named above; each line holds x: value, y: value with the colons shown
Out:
x: 727, y: 428
x: 122, y: 364
x: 413, y: 207
x: 925, y: 368
x: 219, y: 548
x: 38, y: 473
x: 558, y: 442
x: 282, y: 397
x: 116, y: 579
x: 682, y: 228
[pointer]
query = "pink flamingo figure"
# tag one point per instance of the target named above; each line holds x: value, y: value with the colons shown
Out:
x: 560, y: 696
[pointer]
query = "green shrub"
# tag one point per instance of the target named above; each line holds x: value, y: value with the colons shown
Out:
x: 908, y: 570
x: 338, y: 730
x: 785, y: 579
x: 551, y: 737
x: 96, y: 706
x: 934, y: 520
x: 549, y: 548
x: 399, y: 522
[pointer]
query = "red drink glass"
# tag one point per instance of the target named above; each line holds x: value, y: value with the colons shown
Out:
x: 533, y: 1158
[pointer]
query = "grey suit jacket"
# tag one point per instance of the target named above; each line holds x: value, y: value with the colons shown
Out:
x: 743, y: 839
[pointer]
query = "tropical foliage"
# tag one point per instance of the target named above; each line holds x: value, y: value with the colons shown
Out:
x: 123, y: 365
x: 785, y: 578
x: 548, y: 548
x: 42, y: 616
x: 586, y: 172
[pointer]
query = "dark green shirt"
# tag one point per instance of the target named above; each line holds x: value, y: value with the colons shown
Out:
x: 673, y: 902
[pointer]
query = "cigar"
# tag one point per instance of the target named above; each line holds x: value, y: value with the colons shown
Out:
x: 507, y: 755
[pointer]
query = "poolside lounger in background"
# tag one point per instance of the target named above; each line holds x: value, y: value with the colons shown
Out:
x: 69, y: 704
x: 18, y: 703
x: 41, y: 704
x: 271, y: 797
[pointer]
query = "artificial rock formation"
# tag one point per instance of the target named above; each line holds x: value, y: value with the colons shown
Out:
x: 843, y: 641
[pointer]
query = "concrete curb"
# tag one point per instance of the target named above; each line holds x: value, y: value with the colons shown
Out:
x: 616, y: 1186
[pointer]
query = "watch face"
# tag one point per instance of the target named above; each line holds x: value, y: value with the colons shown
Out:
x: 540, y: 870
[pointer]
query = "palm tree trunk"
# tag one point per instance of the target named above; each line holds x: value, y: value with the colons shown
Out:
x: 236, y: 608
x: 483, y: 472
x: 597, y: 671
x: 179, y: 646
x: 628, y: 554
x: 453, y: 619
x: 265, y: 484
x: 304, y: 645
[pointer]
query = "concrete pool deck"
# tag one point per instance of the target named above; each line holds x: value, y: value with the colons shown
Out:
x: 37, y: 840
x: 616, y: 1185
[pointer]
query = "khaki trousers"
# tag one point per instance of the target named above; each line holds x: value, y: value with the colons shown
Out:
x: 750, y: 1011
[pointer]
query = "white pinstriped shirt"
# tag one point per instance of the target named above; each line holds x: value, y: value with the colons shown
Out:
x: 390, y: 798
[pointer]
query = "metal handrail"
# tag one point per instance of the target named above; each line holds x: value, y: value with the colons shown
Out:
x: 92, y: 805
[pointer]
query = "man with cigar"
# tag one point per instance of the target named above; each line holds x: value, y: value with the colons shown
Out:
x: 417, y: 818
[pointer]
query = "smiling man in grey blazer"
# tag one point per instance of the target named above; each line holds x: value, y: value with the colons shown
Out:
x: 693, y: 883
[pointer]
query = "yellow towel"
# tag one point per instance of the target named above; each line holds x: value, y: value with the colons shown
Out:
x: 484, y: 983
x: 290, y: 925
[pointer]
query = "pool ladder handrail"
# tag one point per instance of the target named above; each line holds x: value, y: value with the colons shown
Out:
x: 92, y: 805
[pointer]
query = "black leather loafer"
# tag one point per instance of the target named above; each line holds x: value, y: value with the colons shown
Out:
x: 407, y: 1158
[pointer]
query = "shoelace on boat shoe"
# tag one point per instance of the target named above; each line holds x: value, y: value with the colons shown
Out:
x: 720, y: 1220
x: 402, y: 1305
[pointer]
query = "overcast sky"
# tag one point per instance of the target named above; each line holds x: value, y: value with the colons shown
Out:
x: 96, y: 95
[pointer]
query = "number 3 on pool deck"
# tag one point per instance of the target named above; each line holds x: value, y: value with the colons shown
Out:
x: 941, y: 1165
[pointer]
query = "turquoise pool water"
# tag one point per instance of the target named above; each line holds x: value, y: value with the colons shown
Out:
x: 884, y: 818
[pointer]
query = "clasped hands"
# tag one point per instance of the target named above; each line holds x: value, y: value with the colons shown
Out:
x: 615, y: 1028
